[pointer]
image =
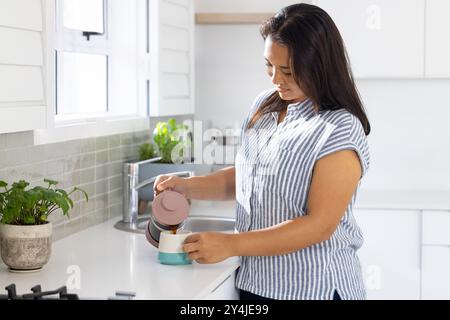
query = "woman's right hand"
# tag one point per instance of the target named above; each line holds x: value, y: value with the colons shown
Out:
x: 165, y: 182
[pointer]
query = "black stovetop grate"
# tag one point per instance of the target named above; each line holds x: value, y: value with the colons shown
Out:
x: 38, y: 294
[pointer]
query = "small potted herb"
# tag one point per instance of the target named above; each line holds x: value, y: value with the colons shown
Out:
x: 170, y: 143
x: 25, y: 232
x: 168, y: 151
x: 146, y: 151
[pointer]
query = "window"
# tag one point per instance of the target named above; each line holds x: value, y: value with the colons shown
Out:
x: 83, y: 54
x: 84, y: 84
x: 84, y: 15
x: 95, y: 46
x: 113, y: 63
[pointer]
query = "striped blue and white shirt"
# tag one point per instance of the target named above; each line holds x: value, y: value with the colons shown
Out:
x: 274, y: 167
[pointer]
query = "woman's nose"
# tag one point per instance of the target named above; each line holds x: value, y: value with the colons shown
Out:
x: 276, y: 78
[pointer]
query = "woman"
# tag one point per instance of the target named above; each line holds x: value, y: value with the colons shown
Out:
x: 303, y: 153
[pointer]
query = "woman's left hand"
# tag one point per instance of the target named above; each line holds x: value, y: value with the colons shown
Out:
x: 208, y: 247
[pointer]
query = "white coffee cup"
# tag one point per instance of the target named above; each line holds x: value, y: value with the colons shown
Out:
x: 171, y: 248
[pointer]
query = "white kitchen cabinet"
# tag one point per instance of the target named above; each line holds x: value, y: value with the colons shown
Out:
x: 435, y: 228
x: 437, y: 50
x: 390, y: 255
x: 384, y: 38
x: 226, y: 290
x: 169, y: 62
x: 23, y: 72
x: 22, y: 14
x: 436, y: 272
x: 436, y: 255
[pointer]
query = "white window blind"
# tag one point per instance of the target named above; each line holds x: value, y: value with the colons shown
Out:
x: 170, y: 58
x: 22, y: 65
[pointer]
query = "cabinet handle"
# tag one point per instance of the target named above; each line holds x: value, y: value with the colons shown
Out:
x: 421, y: 240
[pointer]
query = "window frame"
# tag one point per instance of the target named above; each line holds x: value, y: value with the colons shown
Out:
x: 73, y: 41
x: 63, y: 128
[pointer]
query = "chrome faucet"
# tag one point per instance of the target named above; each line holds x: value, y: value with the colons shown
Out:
x: 132, y: 185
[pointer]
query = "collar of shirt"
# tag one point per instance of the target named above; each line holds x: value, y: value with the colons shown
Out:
x: 303, y: 108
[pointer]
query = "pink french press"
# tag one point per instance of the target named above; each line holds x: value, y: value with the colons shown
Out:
x: 169, y: 211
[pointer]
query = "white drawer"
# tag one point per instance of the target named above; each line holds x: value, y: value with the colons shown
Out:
x: 436, y: 227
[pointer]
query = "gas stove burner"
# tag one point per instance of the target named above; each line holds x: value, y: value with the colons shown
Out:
x: 38, y: 294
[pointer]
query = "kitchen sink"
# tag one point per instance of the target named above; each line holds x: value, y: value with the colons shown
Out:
x: 193, y: 223
x: 201, y: 224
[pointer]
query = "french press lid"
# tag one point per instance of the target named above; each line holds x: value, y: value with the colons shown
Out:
x: 170, y: 208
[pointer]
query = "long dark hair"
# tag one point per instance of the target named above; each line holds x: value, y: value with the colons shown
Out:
x: 319, y: 61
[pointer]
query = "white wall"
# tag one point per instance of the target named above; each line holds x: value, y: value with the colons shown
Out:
x: 229, y: 72
x: 230, y: 62
x: 410, y: 140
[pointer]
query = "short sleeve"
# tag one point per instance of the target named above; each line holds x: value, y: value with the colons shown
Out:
x: 348, y: 134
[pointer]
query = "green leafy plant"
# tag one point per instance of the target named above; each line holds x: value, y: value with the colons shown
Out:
x: 22, y: 206
x: 166, y: 137
x: 146, y: 151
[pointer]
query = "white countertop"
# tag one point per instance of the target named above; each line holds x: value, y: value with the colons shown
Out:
x: 108, y: 260
x: 225, y: 209
x: 403, y: 199
x: 366, y: 199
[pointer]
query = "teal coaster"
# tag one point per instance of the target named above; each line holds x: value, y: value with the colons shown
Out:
x: 174, y: 258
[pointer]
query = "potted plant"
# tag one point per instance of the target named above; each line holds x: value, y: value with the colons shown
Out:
x: 170, y: 143
x: 25, y: 232
x: 167, y: 153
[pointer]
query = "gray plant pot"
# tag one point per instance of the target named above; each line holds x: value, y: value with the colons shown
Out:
x: 148, y: 169
x: 26, y: 248
x: 138, y: 197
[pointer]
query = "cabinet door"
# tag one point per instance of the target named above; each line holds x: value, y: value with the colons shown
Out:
x: 437, y: 51
x: 390, y: 255
x: 436, y: 255
x: 436, y: 272
x: 225, y: 290
x: 170, y: 65
x: 22, y: 65
x: 435, y: 227
x: 384, y: 38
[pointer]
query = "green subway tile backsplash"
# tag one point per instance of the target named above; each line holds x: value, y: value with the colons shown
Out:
x: 93, y: 164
